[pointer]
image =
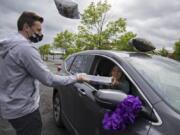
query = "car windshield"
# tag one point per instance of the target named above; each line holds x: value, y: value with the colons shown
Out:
x: 163, y: 75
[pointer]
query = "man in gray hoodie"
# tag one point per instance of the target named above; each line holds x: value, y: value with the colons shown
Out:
x: 21, y: 67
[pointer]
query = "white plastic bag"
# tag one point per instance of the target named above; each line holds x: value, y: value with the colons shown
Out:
x: 67, y: 8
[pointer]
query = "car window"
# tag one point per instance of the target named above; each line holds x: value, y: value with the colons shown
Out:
x: 82, y: 64
x: 106, y: 67
x: 103, y: 66
x: 69, y: 62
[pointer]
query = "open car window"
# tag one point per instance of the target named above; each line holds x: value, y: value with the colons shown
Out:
x: 104, y: 67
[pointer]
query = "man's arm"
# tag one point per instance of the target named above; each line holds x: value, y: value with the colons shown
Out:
x: 35, y: 66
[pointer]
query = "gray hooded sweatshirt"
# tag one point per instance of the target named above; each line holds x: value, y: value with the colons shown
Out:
x: 21, y: 67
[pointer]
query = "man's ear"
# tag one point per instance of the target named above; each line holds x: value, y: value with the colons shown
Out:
x: 26, y: 27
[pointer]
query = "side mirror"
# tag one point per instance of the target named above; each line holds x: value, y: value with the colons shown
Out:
x: 148, y: 114
x: 109, y: 98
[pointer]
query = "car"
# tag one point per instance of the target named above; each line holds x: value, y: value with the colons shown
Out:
x: 81, y: 106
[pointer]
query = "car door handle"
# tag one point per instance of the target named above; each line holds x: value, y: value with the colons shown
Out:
x: 81, y: 91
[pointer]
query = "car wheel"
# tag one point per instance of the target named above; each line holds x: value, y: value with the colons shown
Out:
x: 57, y: 110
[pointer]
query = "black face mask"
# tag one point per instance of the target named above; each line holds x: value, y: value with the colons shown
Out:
x: 36, y: 38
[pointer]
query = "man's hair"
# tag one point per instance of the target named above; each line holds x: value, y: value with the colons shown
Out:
x: 29, y: 18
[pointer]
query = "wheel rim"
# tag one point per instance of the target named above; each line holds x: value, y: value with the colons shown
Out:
x: 57, y: 108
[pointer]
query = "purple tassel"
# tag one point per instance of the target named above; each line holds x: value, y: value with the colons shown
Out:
x: 124, y: 114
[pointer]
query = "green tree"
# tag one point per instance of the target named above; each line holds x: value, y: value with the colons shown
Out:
x: 96, y: 32
x: 177, y: 50
x: 163, y: 52
x: 44, y: 51
x: 66, y: 40
x: 92, y: 24
x: 122, y: 42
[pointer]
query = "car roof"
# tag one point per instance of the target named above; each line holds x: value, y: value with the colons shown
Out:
x: 126, y: 55
x: 122, y: 54
x: 117, y: 53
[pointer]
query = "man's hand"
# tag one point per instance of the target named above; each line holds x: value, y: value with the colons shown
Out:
x: 82, y: 77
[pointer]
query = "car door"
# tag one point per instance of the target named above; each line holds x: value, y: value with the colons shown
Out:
x: 89, y: 114
x: 67, y: 97
x: 81, y: 64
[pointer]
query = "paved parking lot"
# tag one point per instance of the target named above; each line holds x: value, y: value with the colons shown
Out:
x: 49, y: 127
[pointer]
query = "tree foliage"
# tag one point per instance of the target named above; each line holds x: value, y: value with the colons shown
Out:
x: 44, y: 51
x: 122, y: 42
x: 66, y: 40
x: 96, y: 32
x: 177, y: 50
x: 163, y: 52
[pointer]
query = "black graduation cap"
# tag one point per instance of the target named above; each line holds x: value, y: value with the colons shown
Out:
x: 142, y: 45
x: 67, y: 8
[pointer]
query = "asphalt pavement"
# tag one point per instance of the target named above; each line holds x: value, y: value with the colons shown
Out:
x: 49, y: 127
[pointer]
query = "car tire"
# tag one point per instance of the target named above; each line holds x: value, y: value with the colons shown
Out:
x: 57, y: 110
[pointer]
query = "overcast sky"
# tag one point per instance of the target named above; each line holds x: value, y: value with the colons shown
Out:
x: 156, y: 20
